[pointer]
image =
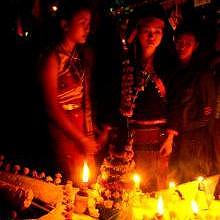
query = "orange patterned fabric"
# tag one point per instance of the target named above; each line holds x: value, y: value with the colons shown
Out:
x: 73, y: 87
x: 73, y: 97
x: 70, y: 81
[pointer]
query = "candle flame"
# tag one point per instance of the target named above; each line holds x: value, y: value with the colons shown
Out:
x: 172, y: 184
x: 54, y: 8
x: 85, y: 178
x: 200, y: 178
x: 160, y: 206
x: 195, y: 207
x: 137, y: 180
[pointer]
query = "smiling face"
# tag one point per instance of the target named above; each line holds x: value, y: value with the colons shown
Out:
x: 150, y: 33
x: 78, y: 27
x: 186, y: 44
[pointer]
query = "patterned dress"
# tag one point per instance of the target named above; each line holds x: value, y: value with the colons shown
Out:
x: 73, y: 98
x: 148, y: 124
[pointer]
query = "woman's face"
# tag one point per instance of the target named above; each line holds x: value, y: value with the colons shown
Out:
x: 186, y: 44
x: 150, y: 33
x: 77, y: 29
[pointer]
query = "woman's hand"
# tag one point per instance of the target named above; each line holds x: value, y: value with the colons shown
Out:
x: 90, y: 145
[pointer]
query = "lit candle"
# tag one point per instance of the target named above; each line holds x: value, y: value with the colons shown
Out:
x: 172, y: 188
x: 200, y: 178
x: 202, y: 194
x: 54, y: 8
x: 173, y: 199
x: 195, y: 209
x: 85, y: 177
x: 160, y: 208
x: 137, y: 181
x: 172, y: 185
x: 81, y: 198
x: 201, y: 185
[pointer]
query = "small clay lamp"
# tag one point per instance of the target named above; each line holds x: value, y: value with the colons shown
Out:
x: 81, y: 198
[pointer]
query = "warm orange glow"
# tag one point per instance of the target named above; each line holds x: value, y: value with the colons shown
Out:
x: 85, y: 177
x: 54, y: 8
x: 172, y: 184
x: 195, y: 207
x: 200, y: 178
x: 104, y: 176
x: 137, y: 180
x: 160, y: 206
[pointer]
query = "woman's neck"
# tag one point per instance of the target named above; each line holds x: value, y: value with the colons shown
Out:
x: 185, y: 63
x: 148, y: 62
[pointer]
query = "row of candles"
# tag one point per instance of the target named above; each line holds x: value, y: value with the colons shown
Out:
x: 161, y: 212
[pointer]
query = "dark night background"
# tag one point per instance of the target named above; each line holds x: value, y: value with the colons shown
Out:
x: 24, y: 137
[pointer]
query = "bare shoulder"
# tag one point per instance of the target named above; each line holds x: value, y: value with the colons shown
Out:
x: 50, y: 57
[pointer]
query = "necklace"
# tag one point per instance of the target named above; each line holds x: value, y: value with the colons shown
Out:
x: 143, y: 78
x: 75, y: 66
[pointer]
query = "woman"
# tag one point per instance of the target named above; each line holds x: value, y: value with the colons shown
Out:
x: 215, y: 65
x: 192, y: 106
x: 144, y: 98
x: 66, y: 73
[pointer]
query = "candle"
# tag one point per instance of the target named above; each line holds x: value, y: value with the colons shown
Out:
x: 201, y: 185
x: 195, y: 209
x: 137, y: 181
x: 172, y: 185
x: 81, y: 198
x: 173, y: 200
x: 160, y: 208
x: 200, y: 178
x: 54, y: 8
x: 172, y: 192
x: 202, y: 194
x: 85, y: 177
